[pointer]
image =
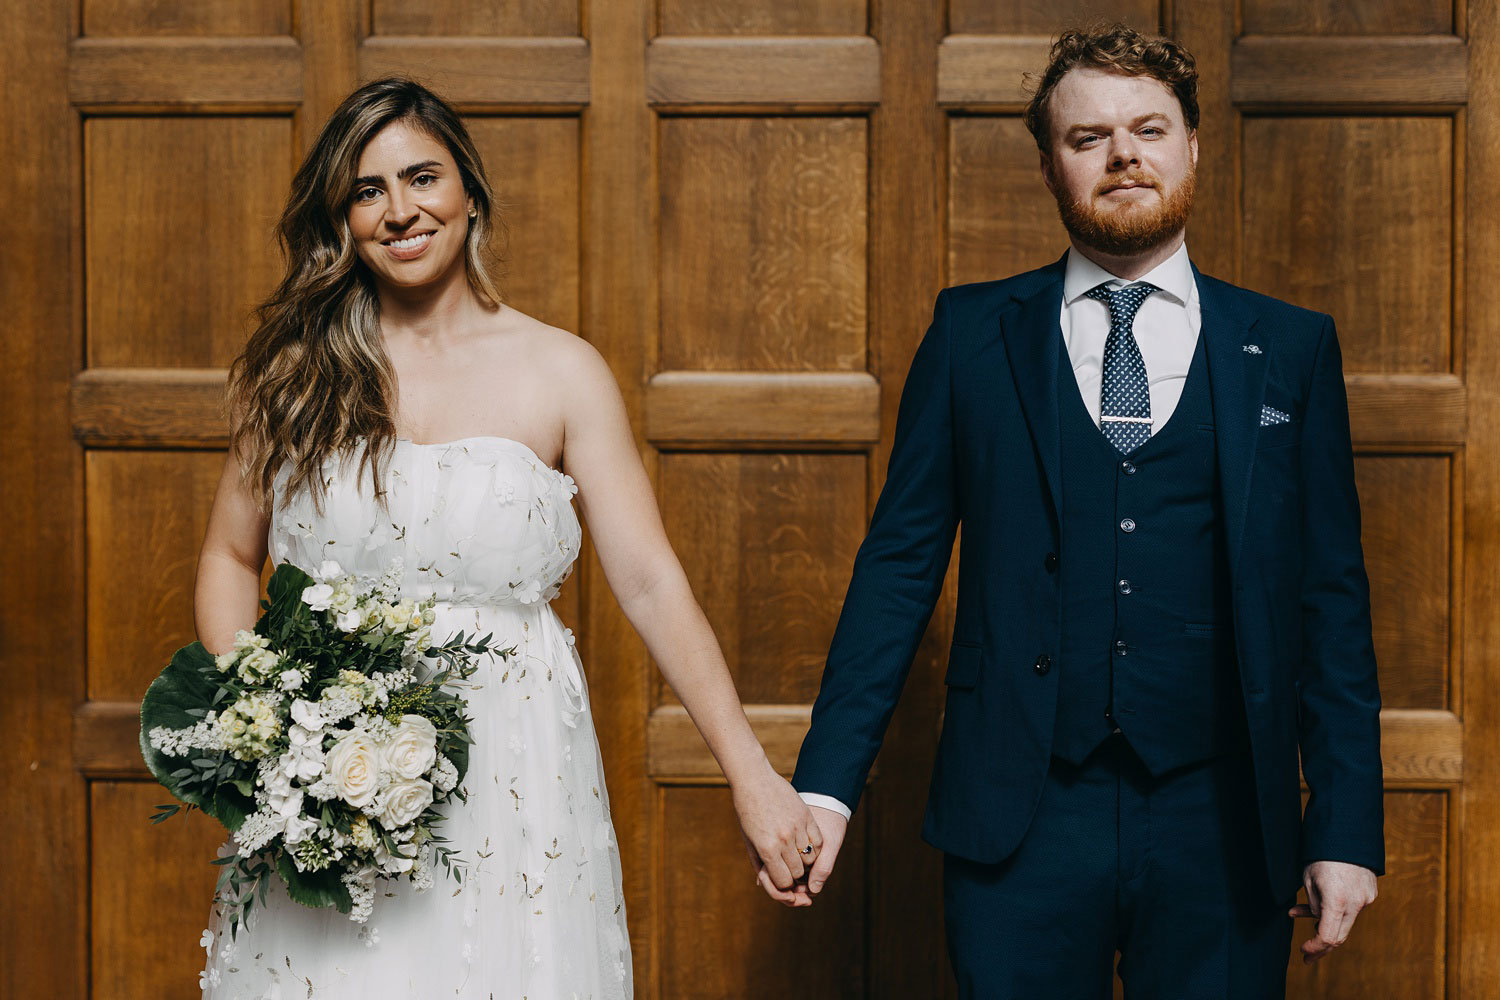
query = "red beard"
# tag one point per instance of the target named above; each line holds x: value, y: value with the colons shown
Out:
x: 1127, y: 230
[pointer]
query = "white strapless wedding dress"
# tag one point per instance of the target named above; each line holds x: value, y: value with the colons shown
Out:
x: 489, y: 529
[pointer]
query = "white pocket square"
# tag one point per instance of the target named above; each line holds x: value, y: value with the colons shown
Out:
x: 1270, y: 416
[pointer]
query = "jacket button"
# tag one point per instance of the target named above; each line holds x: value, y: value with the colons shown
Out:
x: 1128, y: 468
x: 1121, y: 647
x: 1127, y: 525
x: 1043, y: 664
x: 1050, y: 562
x: 1125, y: 587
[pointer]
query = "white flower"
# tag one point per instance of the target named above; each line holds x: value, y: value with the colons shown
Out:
x: 317, y: 596
x: 299, y: 828
x: 354, y: 767
x: 412, y: 749
x: 403, y: 802
x: 568, y: 485
x: 330, y: 570
x: 516, y: 744
x: 292, y: 679
x: 308, y: 715
x: 398, y: 863
x: 444, y: 775
x: 349, y: 621
x: 206, y: 941
x: 207, y: 978
x: 527, y: 591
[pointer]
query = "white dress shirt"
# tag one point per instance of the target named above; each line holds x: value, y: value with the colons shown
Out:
x: 1166, y: 328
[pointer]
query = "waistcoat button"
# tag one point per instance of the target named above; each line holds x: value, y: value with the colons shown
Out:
x: 1043, y: 664
x: 1127, y: 525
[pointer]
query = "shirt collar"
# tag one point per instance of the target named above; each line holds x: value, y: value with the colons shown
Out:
x: 1173, y: 276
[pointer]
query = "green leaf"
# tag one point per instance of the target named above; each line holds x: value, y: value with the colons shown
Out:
x: 314, y: 889
x: 177, y: 689
x: 284, y: 599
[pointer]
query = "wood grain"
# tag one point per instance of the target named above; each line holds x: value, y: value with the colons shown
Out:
x: 767, y: 541
x: 44, y: 922
x: 1333, y: 17
x: 151, y: 890
x: 1402, y: 409
x: 980, y: 71
x: 1405, y: 504
x: 745, y: 407
x: 757, y: 951
x: 1048, y: 17
x: 1412, y: 71
x: 804, y: 72
x: 533, y: 166
x: 1396, y: 949
x: 1421, y: 748
x: 1377, y: 251
x: 762, y: 17
x: 146, y: 515
x: 475, y: 18
x: 263, y: 72
x: 150, y: 407
x: 675, y: 751
x: 1001, y: 218
x: 785, y: 200
x: 187, y: 17
x: 486, y: 72
x: 173, y: 280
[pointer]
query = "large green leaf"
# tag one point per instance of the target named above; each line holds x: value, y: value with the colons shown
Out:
x: 283, y: 597
x: 315, y: 889
x: 188, y: 684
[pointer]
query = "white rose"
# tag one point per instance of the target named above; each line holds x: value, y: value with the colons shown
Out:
x: 412, y: 749
x: 403, y: 802
x: 349, y: 621
x: 395, y: 864
x: 317, y: 596
x: 354, y: 766
x: 330, y: 570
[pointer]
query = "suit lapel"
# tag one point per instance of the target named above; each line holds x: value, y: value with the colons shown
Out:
x: 1032, y: 337
x: 1237, y: 366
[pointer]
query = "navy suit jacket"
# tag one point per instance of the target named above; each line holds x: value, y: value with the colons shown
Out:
x: 977, y: 444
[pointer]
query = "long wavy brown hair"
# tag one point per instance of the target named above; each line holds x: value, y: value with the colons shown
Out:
x: 314, y: 379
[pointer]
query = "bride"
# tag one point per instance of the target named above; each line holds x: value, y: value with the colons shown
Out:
x: 390, y: 406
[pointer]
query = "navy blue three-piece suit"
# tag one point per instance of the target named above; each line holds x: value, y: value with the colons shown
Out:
x: 1142, y: 646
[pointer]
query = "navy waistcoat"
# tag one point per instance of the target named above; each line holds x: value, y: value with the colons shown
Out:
x: 1147, y: 622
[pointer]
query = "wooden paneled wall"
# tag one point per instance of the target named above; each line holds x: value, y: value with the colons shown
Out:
x: 748, y: 206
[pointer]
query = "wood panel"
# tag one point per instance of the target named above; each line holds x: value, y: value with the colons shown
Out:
x: 767, y: 542
x: 533, y: 165
x: 761, y: 17
x: 803, y: 72
x: 461, y: 18
x: 146, y: 516
x: 111, y: 74
x: 785, y: 200
x: 1405, y: 503
x: 1396, y: 951
x: 145, y: 407
x: 983, y: 71
x: 751, y: 407
x: 755, y: 950
x: 145, y: 937
x: 187, y: 17
x: 1270, y: 70
x: 476, y: 73
x: 1336, y: 17
x: 675, y: 751
x: 208, y: 259
x: 1377, y: 252
x: 1047, y: 17
x: 1001, y: 218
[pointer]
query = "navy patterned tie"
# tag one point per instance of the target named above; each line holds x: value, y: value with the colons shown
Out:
x: 1124, y: 391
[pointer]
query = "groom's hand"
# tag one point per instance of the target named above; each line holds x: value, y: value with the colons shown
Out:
x: 1336, y: 892
x: 833, y: 825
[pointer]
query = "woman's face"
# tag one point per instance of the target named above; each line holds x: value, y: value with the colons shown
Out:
x: 409, y: 213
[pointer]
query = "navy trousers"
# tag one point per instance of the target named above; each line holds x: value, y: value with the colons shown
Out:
x: 1167, y: 871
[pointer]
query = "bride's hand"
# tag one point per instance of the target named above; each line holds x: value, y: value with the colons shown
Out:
x: 778, y: 827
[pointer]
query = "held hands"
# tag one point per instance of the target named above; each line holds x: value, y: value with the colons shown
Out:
x: 1336, y: 892
x: 778, y: 830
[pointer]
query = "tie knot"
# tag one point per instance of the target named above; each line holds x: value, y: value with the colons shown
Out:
x: 1123, y: 302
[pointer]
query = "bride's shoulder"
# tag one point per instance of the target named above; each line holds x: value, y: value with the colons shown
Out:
x: 550, y: 352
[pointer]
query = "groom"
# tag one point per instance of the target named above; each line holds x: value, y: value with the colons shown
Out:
x: 1162, y: 597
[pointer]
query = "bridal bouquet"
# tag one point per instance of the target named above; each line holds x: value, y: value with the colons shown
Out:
x: 324, y: 740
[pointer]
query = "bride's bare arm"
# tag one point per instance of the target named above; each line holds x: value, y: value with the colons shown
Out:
x: 226, y: 597
x: 617, y: 501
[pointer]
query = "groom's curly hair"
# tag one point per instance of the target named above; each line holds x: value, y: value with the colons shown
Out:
x: 1123, y: 50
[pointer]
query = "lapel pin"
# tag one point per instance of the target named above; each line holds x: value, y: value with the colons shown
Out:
x: 1252, y: 348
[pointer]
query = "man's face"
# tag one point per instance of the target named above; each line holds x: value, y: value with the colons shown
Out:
x: 1122, y: 161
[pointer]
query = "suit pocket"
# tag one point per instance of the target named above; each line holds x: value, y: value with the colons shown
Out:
x: 1193, y: 628
x: 964, y: 664
x: 1278, y: 436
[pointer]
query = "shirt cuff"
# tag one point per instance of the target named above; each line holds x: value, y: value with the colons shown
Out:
x: 826, y: 802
